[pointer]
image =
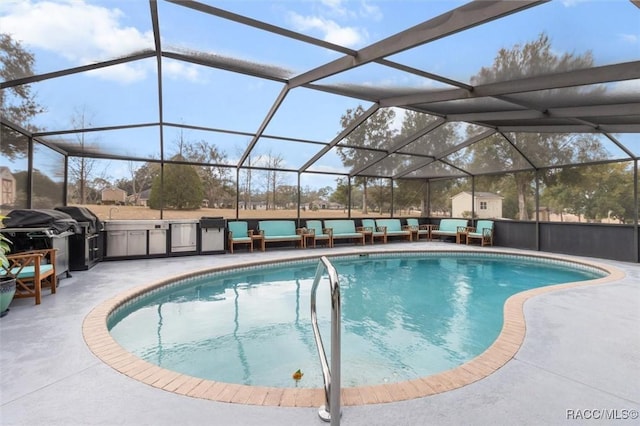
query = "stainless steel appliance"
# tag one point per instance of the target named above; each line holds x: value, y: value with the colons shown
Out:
x: 212, y: 234
x: 85, y: 247
x: 136, y: 238
x: 183, y: 236
x: 158, y: 241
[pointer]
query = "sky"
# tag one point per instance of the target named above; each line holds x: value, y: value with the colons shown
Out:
x: 69, y: 33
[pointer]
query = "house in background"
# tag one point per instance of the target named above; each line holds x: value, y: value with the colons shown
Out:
x: 252, y: 205
x: 139, y: 199
x: 321, y: 204
x: 114, y: 196
x: 486, y: 205
x: 7, y: 187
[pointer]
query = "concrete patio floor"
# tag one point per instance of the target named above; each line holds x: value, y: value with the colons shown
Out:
x: 580, y: 360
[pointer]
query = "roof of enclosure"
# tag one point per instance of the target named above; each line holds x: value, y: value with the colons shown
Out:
x: 263, y: 84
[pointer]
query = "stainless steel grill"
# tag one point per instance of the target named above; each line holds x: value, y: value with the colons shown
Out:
x: 85, y: 247
x: 32, y: 229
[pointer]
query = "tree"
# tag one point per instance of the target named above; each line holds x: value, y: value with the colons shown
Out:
x: 410, y: 194
x: 140, y: 180
x: 216, y: 179
x: 95, y: 187
x: 533, y: 59
x: 413, y: 192
x: 593, y: 192
x: 272, y: 178
x: 288, y: 196
x: 182, y: 188
x: 374, y: 133
x: 324, y: 192
x: 81, y: 169
x: 341, y: 194
x: 17, y: 103
x: 380, y: 194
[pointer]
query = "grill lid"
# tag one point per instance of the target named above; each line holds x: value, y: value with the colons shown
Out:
x: 83, y: 214
x: 54, y: 220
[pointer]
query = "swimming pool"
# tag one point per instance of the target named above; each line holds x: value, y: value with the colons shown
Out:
x: 422, y: 315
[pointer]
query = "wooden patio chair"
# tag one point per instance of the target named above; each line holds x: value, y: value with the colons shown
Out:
x: 483, y: 231
x: 239, y: 233
x: 32, y: 270
x: 376, y: 232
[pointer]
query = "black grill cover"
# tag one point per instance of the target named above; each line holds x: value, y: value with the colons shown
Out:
x: 54, y: 220
x: 83, y: 214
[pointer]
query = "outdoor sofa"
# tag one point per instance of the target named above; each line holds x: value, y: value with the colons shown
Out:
x: 343, y: 229
x: 394, y: 228
x: 280, y: 230
x: 449, y: 228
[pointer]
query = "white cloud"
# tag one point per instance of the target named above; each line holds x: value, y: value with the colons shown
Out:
x: 370, y: 11
x: 330, y: 30
x: 629, y: 38
x: 343, y: 9
x: 79, y: 32
x: 180, y: 70
x: 329, y: 21
x: 335, y: 7
x: 123, y: 73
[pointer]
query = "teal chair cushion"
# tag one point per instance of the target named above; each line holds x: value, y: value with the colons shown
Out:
x: 413, y: 222
x: 27, y: 271
x: 369, y: 223
x: 392, y: 225
x: 484, y: 224
x: 316, y: 225
x: 239, y: 230
x: 278, y: 228
x: 342, y: 226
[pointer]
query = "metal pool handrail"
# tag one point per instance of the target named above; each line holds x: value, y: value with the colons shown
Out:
x: 331, y: 410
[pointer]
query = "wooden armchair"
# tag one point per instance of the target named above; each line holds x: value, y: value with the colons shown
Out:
x: 483, y: 231
x: 239, y: 233
x: 32, y: 270
x: 379, y: 232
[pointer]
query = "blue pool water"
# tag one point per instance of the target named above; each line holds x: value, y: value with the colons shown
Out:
x: 404, y: 316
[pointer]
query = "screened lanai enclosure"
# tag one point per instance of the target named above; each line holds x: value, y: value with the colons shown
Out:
x: 525, y: 112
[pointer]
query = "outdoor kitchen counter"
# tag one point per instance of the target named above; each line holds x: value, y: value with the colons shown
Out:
x: 135, y: 238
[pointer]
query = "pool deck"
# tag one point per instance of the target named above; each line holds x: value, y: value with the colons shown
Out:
x: 580, y: 358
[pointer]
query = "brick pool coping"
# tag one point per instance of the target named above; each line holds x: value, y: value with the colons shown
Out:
x: 503, y: 349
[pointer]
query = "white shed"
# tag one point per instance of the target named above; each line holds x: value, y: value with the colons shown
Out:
x: 114, y: 196
x: 486, y: 205
x: 7, y: 187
